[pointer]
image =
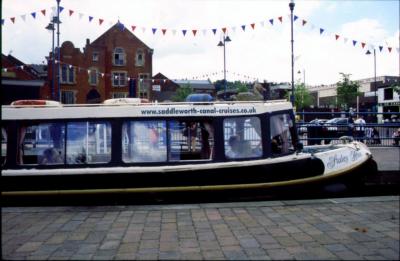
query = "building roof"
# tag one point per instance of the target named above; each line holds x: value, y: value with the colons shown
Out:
x: 197, y: 84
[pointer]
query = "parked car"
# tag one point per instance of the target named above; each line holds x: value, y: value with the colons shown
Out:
x: 305, y: 126
x: 335, y: 128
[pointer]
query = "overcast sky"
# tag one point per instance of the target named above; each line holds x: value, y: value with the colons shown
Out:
x: 262, y: 52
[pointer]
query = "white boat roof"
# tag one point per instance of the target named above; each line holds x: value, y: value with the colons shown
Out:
x: 142, y: 110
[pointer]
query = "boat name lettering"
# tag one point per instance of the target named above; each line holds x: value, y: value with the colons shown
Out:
x: 355, y: 155
x: 193, y: 111
x: 337, y: 160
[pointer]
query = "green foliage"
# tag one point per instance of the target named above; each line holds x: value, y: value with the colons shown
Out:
x: 347, y: 91
x: 396, y: 88
x: 182, y: 92
x: 240, y: 87
x: 302, y: 96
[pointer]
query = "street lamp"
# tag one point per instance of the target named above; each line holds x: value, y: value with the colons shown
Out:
x: 291, y: 6
x: 225, y: 39
x: 376, y: 97
x: 50, y: 27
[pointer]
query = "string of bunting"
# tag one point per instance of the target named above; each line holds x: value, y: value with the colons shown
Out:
x: 154, y: 80
x: 195, y: 31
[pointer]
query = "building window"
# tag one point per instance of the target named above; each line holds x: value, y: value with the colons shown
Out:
x: 68, y: 97
x: 67, y: 74
x: 388, y: 94
x: 139, y: 59
x: 119, y: 56
x: 95, y: 57
x: 144, y: 85
x: 118, y: 95
x: 93, y: 76
x: 118, y: 79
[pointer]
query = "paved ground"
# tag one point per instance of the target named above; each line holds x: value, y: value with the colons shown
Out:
x: 388, y: 158
x: 346, y: 228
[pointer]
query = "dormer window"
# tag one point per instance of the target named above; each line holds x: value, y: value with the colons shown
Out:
x: 139, y: 59
x: 119, y: 56
x: 95, y: 57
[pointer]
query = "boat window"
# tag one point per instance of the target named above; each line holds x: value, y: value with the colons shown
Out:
x: 242, y: 137
x: 191, y: 140
x: 144, y: 141
x: 41, y: 144
x: 3, y: 145
x: 281, y: 138
x: 88, y: 142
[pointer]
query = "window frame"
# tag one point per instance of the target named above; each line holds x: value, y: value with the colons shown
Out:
x: 121, y: 56
x: 118, y: 74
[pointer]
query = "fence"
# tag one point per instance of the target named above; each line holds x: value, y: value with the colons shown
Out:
x: 380, y: 129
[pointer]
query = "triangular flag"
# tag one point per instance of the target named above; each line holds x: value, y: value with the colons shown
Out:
x: 2, y: 21
x: 173, y: 31
x: 243, y: 27
x: 224, y: 30
x: 321, y: 30
x: 154, y: 30
x: 337, y: 36
x: 100, y: 21
x: 271, y: 21
x: 80, y: 16
x: 184, y: 32
x: 354, y: 42
x: 280, y: 18
x: 23, y: 17
x: 12, y: 19
x: 71, y: 12
x: 262, y: 23
x: 61, y: 9
x: 380, y: 48
x: 304, y: 22
x: 214, y: 30
x: 43, y: 12
x: 33, y: 15
x: 133, y: 27
x: 362, y: 45
x: 253, y: 25
x: 295, y: 18
x: 204, y: 31
x: 194, y: 31
x: 398, y: 50
x: 90, y: 18
x: 346, y: 39
x: 121, y: 26
x: 390, y: 49
x: 163, y: 31
x: 233, y: 28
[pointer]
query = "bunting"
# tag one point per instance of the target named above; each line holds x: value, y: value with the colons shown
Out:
x: 304, y: 23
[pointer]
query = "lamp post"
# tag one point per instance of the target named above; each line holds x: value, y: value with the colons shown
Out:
x: 58, y: 49
x: 50, y: 27
x: 376, y: 97
x: 225, y: 39
x: 291, y: 6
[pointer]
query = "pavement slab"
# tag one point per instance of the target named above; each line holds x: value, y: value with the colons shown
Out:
x: 329, y: 229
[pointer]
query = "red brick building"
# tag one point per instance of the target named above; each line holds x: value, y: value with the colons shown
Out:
x: 115, y: 65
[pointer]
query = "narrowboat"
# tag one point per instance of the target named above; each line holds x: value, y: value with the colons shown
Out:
x: 130, y: 145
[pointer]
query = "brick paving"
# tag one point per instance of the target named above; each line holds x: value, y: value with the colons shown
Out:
x: 328, y: 229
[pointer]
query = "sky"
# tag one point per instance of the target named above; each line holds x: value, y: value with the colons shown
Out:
x: 262, y: 51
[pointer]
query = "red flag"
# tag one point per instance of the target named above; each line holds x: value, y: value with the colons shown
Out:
x: 43, y: 12
x: 224, y: 30
x: 71, y: 12
x: 390, y: 49
x: 337, y: 36
x: 12, y: 19
x: 194, y: 32
x: 133, y: 28
x: 304, y: 22
x: 362, y: 45
x: 253, y: 25
x: 163, y: 31
x: 100, y: 21
x: 280, y: 18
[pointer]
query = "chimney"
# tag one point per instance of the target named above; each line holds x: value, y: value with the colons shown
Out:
x: 87, y: 41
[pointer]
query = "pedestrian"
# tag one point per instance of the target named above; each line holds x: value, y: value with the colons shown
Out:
x: 360, y: 126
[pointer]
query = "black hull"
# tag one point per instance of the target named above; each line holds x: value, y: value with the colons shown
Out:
x: 283, y: 171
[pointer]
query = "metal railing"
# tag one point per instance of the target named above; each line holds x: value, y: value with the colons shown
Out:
x: 380, y: 130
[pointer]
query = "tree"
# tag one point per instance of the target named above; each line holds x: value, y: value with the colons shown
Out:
x: 182, y: 92
x: 302, y: 96
x: 347, y: 91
